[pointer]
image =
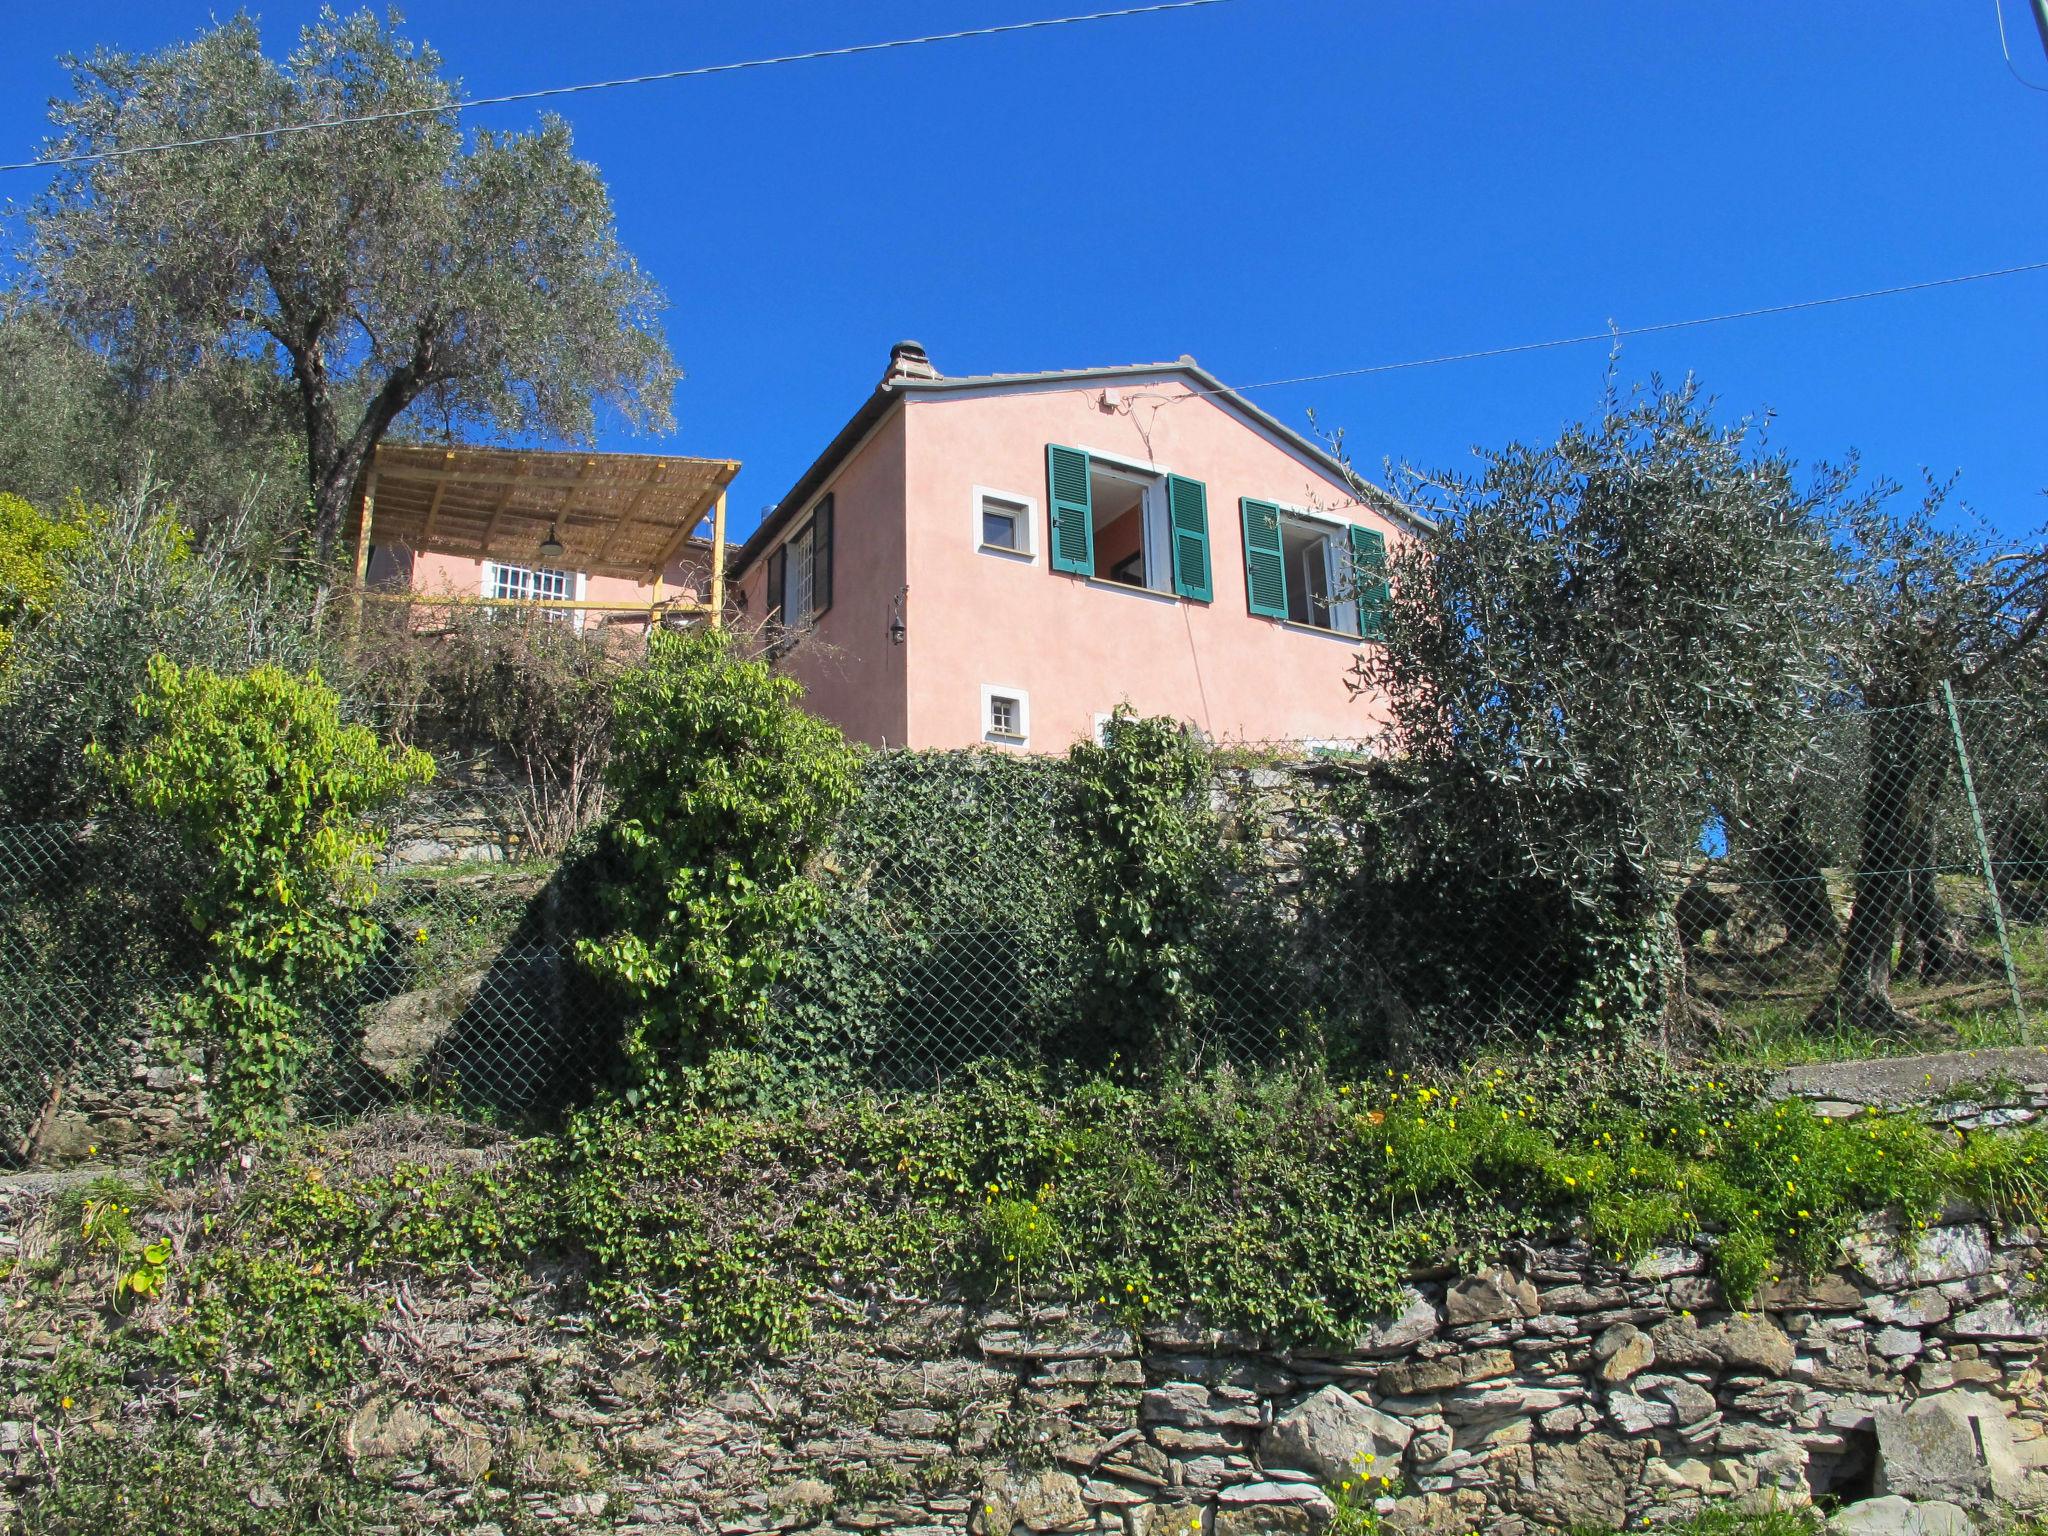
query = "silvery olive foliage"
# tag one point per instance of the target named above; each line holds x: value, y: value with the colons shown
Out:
x: 395, y: 265
x: 1599, y: 644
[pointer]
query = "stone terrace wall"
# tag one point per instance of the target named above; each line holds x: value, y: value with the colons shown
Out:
x: 1560, y: 1392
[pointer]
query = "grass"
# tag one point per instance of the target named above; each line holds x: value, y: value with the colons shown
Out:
x: 1766, y: 1000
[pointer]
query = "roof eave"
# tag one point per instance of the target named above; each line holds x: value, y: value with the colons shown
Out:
x: 888, y: 394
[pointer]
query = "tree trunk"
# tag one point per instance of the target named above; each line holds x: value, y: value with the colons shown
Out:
x: 1936, y: 948
x: 1896, y: 793
x: 1788, y: 867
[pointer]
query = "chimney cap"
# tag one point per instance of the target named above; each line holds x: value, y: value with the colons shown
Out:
x: 909, y: 360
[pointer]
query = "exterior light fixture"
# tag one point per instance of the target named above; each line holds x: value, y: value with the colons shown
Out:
x: 551, y: 546
x: 897, y: 628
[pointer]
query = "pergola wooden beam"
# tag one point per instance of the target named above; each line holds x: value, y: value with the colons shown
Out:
x: 621, y: 515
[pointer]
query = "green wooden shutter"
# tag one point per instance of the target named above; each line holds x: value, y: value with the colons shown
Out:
x: 1369, y: 580
x: 1073, y: 513
x: 1265, y: 567
x: 821, y: 557
x: 1187, y: 506
x: 778, y: 569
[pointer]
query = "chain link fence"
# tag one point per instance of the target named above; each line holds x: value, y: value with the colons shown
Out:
x: 954, y: 934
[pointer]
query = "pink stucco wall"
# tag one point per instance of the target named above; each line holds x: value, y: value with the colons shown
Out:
x: 1079, y: 647
x: 852, y: 674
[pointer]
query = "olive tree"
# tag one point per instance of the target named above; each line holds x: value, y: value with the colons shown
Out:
x: 1590, y: 652
x: 1930, y: 601
x: 379, y: 267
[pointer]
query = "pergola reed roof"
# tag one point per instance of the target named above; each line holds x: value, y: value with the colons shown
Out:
x: 617, y: 514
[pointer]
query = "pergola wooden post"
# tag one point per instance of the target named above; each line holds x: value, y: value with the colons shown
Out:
x: 717, y: 593
x: 363, y: 542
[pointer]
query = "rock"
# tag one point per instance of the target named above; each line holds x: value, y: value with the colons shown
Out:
x: 1493, y: 1297
x: 1623, y: 1351
x: 1687, y: 1473
x: 1472, y: 1405
x: 1417, y: 1320
x: 1436, y: 1514
x: 1939, y: 1375
x: 1830, y: 1292
x: 1946, y: 1253
x: 1040, y: 1501
x: 1690, y: 1401
x: 1895, y: 1516
x: 1081, y: 1344
x: 1192, y: 1406
x: 384, y: 1429
x: 1665, y: 1263
x: 1897, y: 1343
x: 2001, y: 1320
x: 1174, y: 1519
x: 400, y: 1033
x: 1572, y: 1483
x: 1639, y: 1415
x: 1681, y: 1342
x: 1335, y: 1436
x: 1953, y: 1445
x: 1271, y: 1506
x: 1419, y: 1377
x: 1914, y: 1309
x: 1750, y: 1344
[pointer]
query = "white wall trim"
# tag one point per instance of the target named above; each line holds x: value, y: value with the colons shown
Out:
x: 1028, y: 518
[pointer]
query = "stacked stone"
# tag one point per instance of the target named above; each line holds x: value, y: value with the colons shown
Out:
x: 1560, y: 1392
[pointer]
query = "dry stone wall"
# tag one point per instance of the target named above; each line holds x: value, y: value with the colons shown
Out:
x: 1557, y: 1392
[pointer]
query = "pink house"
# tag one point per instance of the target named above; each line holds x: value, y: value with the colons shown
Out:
x: 1004, y: 559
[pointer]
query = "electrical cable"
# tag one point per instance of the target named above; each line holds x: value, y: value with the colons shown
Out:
x: 1614, y: 333
x: 511, y: 97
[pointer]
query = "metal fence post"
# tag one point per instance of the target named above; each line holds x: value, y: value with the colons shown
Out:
x: 2012, y: 979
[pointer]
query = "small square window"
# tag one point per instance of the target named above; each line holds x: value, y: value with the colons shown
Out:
x: 1004, y: 523
x: 1005, y: 716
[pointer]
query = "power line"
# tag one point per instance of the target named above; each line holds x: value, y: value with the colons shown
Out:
x: 1616, y: 332
x: 512, y: 97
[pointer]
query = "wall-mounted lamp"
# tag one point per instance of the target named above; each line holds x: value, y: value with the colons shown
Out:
x: 551, y: 547
x: 897, y: 628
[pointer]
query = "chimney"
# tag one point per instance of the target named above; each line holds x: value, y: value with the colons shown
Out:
x: 907, y: 361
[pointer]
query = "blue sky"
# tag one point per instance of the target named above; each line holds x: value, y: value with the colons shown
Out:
x: 1282, y: 187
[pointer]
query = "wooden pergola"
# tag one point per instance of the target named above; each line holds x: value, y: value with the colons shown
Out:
x: 628, y: 515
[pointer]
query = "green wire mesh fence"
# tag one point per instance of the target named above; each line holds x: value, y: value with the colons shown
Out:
x: 954, y: 935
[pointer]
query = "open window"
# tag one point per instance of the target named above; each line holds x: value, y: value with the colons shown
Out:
x: 1313, y: 571
x: 1129, y: 518
x: 1127, y: 523
x: 1318, y: 583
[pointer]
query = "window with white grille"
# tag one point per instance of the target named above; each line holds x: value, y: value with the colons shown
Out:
x: 1005, y: 715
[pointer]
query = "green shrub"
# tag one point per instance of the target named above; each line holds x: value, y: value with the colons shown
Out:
x: 1151, y: 867
x: 724, y: 787
x: 258, y: 776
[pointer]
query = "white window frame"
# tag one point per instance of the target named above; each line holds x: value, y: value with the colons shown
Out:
x: 1027, y: 524
x: 990, y: 692
x: 577, y: 587
x: 1336, y: 555
x: 1155, y: 538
